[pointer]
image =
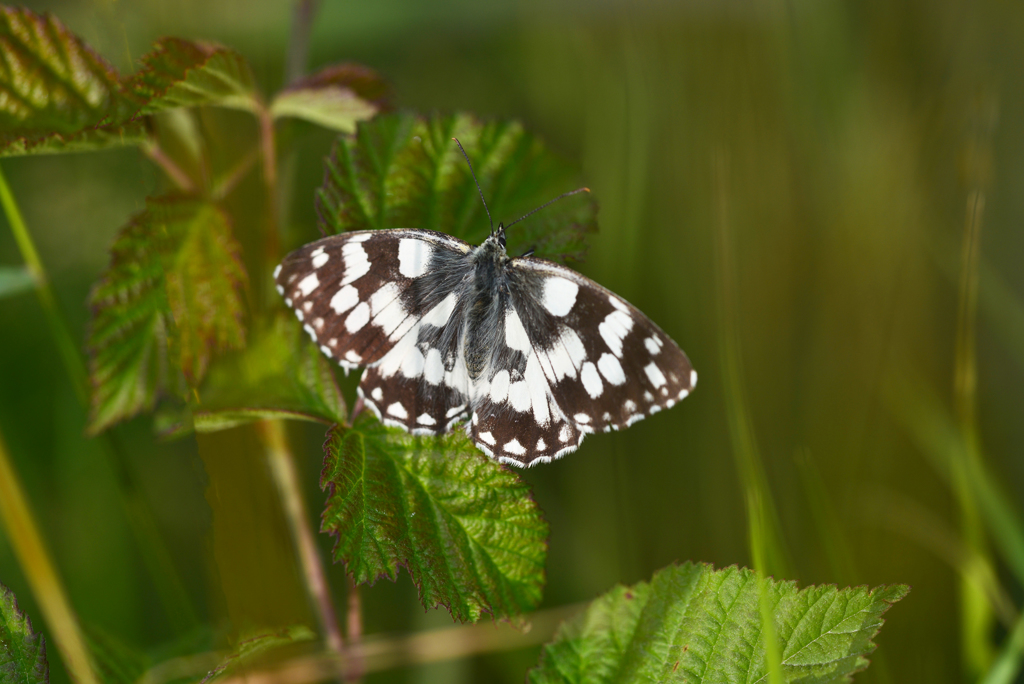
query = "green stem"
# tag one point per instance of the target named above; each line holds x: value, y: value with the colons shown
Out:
x: 62, y: 335
x: 1007, y: 665
x: 41, y: 574
x: 282, y: 469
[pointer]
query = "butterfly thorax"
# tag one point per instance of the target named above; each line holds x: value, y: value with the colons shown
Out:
x: 488, y: 293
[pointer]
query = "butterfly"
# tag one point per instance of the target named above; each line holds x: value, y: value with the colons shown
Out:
x: 529, y: 354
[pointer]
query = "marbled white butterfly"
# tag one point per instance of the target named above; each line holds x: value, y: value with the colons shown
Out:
x: 531, y: 354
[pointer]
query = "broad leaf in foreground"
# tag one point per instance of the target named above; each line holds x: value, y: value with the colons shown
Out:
x: 55, y: 92
x: 401, y: 171
x: 257, y: 649
x: 280, y: 374
x: 692, y: 623
x: 22, y: 651
x: 465, y: 527
x: 337, y: 97
x: 170, y: 299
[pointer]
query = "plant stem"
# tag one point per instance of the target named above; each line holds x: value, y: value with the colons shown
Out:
x: 62, y: 335
x: 282, y: 469
x: 741, y: 430
x: 41, y: 574
x: 177, y: 175
x: 354, y: 626
x: 298, y: 45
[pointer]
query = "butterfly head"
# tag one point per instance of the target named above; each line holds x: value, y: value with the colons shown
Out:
x: 498, y: 235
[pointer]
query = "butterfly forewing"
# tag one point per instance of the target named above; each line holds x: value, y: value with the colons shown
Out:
x: 587, y: 361
x: 359, y: 294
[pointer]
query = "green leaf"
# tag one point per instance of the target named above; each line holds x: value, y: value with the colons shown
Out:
x: 692, y: 623
x: 464, y: 526
x: 400, y: 171
x: 281, y: 374
x: 183, y: 73
x: 15, y: 280
x: 22, y: 651
x: 337, y: 97
x: 56, y: 93
x: 258, y: 649
x: 170, y: 299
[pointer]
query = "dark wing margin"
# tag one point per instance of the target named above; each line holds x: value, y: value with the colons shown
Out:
x: 598, y: 362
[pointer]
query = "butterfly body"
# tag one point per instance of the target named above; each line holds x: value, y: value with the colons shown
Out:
x: 530, y: 354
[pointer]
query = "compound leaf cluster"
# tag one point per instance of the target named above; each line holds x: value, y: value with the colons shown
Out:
x: 692, y: 623
x: 22, y: 650
x: 464, y: 526
x: 404, y: 171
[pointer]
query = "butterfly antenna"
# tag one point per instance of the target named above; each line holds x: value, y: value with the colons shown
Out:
x: 564, y: 194
x: 478, y: 188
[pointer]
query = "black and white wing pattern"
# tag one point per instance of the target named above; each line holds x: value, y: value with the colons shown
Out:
x: 388, y: 299
x: 533, y: 354
x: 575, y: 359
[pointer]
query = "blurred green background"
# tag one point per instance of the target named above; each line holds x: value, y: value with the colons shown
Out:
x: 838, y: 144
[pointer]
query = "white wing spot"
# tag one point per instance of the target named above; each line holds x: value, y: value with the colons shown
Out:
x: 413, y: 257
x: 359, y: 317
x: 654, y: 374
x: 514, y: 447
x: 591, y: 380
x: 280, y: 288
x: 386, y: 308
x: 357, y: 264
x: 308, y: 284
x: 499, y: 386
x: 581, y: 418
x: 653, y: 345
x: 398, y: 411
x: 299, y: 314
x: 541, y: 446
x: 361, y: 237
x: 565, y: 434
x: 614, y: 329
x: 307, y: 306
x: 345, y: 299
x: 648, y: 397
x: 377, y: 394
x: 611, y: 369
x: 321, y: 258
x: 426, y: 419
x: 455, y: 410
x: 309, y: 331
x: 487, y: 437
x: 318, y: 323
x: 412, y: 364
x: 559, y: 295
x: 326, y: 351
x: 277, y: 271
x: 629, y: 406
x: 606, y: 417
x: 683, y: 394
x: 433, y: 367
x: 618, y: 303
x: 693, y: 379
x: 515, y: 333
x: 351, y: 355
x: 519, y: 396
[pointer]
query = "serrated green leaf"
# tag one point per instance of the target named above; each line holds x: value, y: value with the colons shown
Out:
x: 15, y: 280
x: 281, y: 374
x: 400, y: 171
x: 184, y: 73
x: 22, y: 651
x: 256, y: 649
x: 169, y: 300
x: 693, y: 623
x: 337, y: 97
x: 56, y: 93
x: 464, y: 526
